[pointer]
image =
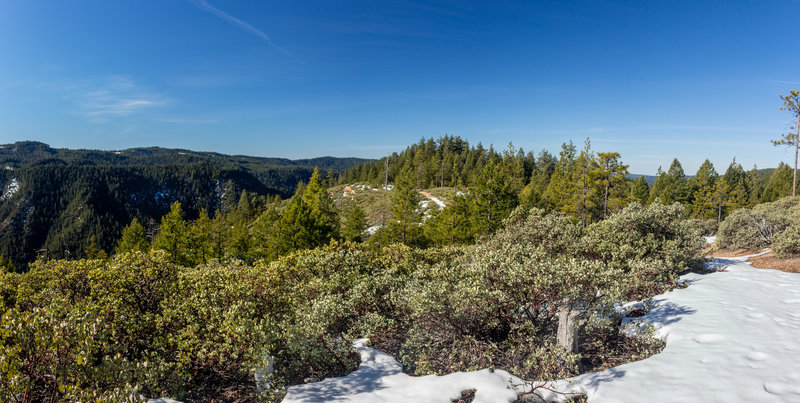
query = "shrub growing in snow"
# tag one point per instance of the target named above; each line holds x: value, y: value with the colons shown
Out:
x: 738, y: 231
x: 755, y: 229
x: 787, y: 243
x: 650, y: 244
x: 704, y: 227
x: 98, y: 329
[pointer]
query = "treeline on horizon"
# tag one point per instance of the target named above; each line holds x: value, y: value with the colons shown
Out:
x: 580, y: 183
x: 584, y: 185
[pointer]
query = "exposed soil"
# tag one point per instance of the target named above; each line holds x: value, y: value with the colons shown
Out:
x: 769, y: 261
x: 766, y: 261
x: 713, y: 251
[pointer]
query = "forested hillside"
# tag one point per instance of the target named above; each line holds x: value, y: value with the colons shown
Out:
x: 55, y: 202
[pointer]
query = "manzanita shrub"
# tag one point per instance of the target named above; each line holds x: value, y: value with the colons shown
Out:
x: 755, y: 228
x: 137, y: 325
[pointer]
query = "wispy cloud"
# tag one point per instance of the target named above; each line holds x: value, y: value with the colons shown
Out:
x: 105, y: 98
x: 184, y: 121
x: 785, y: 82
x: 112, y: 97
x: 203, y: 5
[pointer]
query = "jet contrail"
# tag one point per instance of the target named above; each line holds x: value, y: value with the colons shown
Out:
x: 202, y: 4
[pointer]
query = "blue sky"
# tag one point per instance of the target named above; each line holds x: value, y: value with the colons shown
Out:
x: 653, y: 80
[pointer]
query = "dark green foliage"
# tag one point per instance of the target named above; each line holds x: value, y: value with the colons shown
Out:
x: 453, y: 225
x: 671, y: 186
x: 134, y: 238
x: 640, y: 190
x: 355, y: 223
x: 779, y: 184
x: 496, y: 193
x: 95, y: 329
x: 66, y: 196
x: 404, y: 224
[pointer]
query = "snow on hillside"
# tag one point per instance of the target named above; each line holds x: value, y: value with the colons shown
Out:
x: 730, y: 336
x: 11, y: 188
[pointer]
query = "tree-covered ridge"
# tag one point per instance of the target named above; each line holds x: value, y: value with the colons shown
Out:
x: 53, y: 201
x: 27, y: 153
x: 55, y: 209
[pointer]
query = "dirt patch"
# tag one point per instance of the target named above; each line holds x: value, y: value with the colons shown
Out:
x: 714, y: 252
x: 769, y: 261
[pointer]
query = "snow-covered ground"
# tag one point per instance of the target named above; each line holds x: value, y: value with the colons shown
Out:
x: 380, y: 379
x: 11, y: 188
x: 731, y: 336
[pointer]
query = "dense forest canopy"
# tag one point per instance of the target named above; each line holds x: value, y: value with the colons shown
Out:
x: 53, y: 201
x: 56, y: 203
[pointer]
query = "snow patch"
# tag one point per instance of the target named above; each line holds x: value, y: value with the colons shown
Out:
x: 437, y: 201
x: 711, y: 239
x: 9, y: 168
x: 380, y: 378
x: 373, y: 229
x: 10, y: 189
x: 716, y: 350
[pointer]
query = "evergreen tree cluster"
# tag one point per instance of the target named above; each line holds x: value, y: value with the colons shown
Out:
x: 53, y: 201
x: 247, y: 231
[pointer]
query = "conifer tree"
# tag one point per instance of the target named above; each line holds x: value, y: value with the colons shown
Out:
x: 219, y: 235
x: 721, y: 197
x: 756, y: 185
x: 294, y: 230
x: 405, y: 200
x: 640, y: 190
x: 584, y: 200
x: 453, y: 224
x: 791, y: 103
x: 559, y: 188
x: 263, y: 231
x: 496, y: 193
x: 199, y: 240
x: 323, y: 216
x: 355, y: 222
x: 93, y: 251
x: 172, y: 235
x: 613, y: 178
x: 671, y: 186
x: 703, y: 205
x: 134, y: 238
x: 532, y: 195
x: 779, y: 183
x: 735, y: 178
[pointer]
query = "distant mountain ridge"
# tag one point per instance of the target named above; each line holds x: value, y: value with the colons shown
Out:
x: 55, y: 199
x: 26, y: 153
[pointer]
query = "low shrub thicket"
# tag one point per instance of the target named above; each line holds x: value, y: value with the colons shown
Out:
x: 104, y: 329
x: 787, y: 243
x: 704, y: 227
x: 757, y: 228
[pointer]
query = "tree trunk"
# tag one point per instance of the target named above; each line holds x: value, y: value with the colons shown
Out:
x: 796, y: 145
x: 567, y: 335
